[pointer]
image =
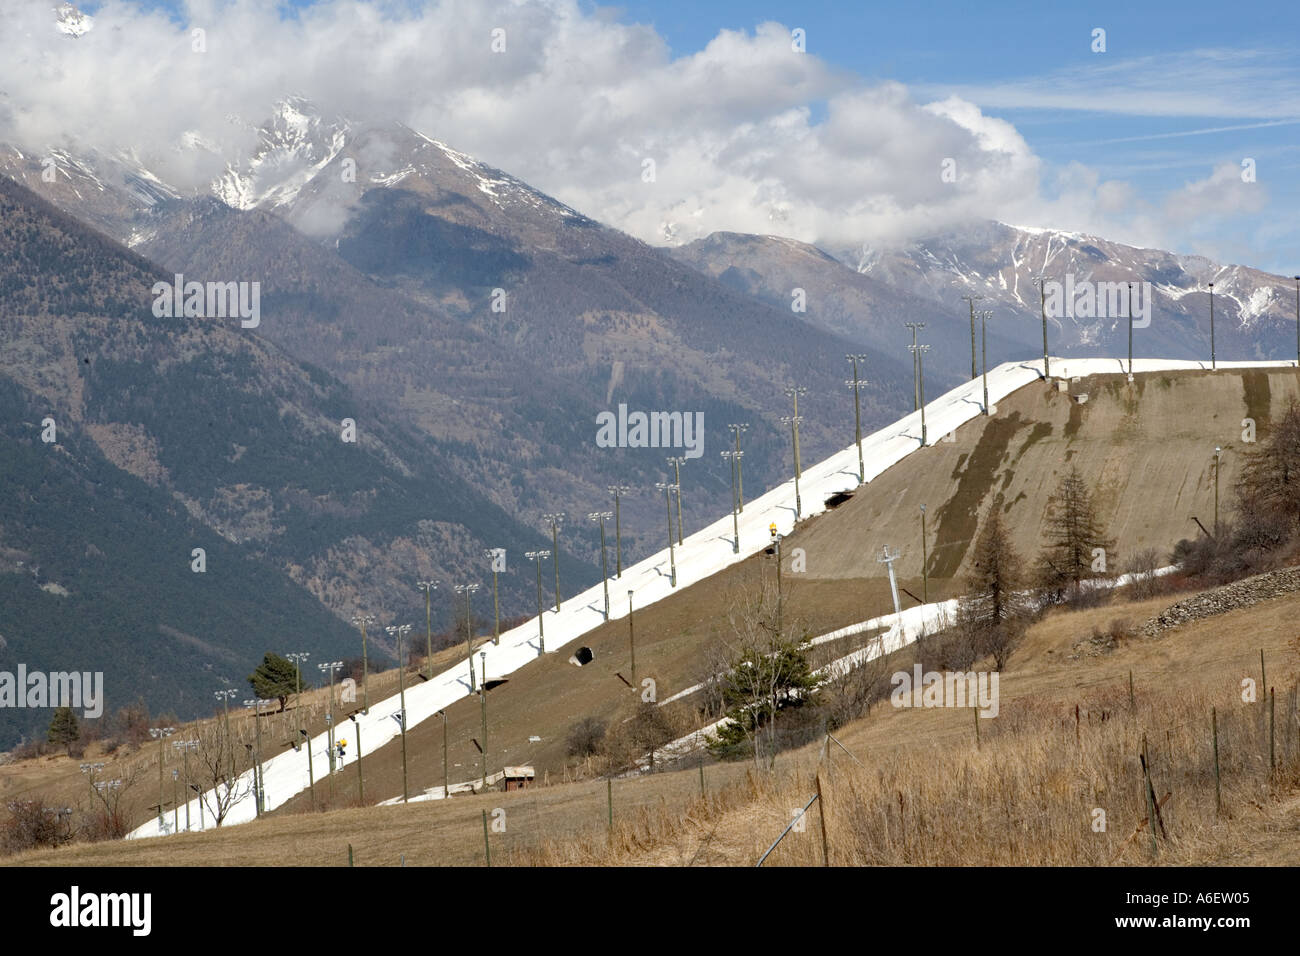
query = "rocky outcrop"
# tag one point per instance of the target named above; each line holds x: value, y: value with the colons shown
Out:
x: 1220, y: 600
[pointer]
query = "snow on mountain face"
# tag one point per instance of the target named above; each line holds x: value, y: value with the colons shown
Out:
x: 293, y: 147
x: 298, y: 144
x: 70, y: 21
x: 1000, y: 262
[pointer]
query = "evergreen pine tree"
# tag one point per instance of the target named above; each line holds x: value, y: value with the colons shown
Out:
x: 992, y: 609
x: 64, y: 730
x: 274, y: 678
x: 1073, y: 532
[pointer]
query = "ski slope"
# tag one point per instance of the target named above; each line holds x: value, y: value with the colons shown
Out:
x: 703, y: 554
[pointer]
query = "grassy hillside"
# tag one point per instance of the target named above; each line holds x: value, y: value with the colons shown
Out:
x: 1025, y: 793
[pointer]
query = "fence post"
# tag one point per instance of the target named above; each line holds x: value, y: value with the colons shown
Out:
x: 1272, y: 752
x: 487, y: 849
x: 821, y: 813
x: 1218, y: 793
x: 1151, y: 802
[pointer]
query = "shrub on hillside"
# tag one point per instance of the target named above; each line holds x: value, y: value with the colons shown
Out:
x: 34, y: 823
x: 586, y: 738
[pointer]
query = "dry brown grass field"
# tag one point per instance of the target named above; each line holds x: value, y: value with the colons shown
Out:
x: 913, y: 788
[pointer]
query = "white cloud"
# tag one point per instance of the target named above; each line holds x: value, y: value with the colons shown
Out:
x: 746, y: 134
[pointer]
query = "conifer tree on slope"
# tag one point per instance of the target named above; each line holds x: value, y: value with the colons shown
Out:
x: 1073, y: 533
x: 993, y: 608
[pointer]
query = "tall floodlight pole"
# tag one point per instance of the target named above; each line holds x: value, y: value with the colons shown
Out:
x: 732, y: 457
x: 556, y: 520
x: 298, y: 657
x: 631, y: 635
x: 780, y: 591
x: 857, y: 413
x: 446, y: 788
x: 1297, y: 321
x: 259, y: 788
x: 677, y: 480
x: 971, y: 300
x: 668, y: 488
x: 160, y: 734
x: 1132, y: 298
x: 1218, y: 458
x: 794, y: 391
x: 398, y: 631
x: 918, y: 351
x: 737, y: 429
x: 602, y: 517
x: 492, y: 554
x: 482, y: 694
x: 185, y: 746
x: 1213, y: 365
x: 331, y: 668
x: 916, y: 385
x: 467, y: 590
x: 90, y: 768
x: 925, y: 573
x: 1042, y: 307
x: 618, y: 491
x: 224, y: 696
x: 428, y: 587
x: 361, y: 777
x: 537, y: 557
x: 363, y: 620
x: 984, y: 353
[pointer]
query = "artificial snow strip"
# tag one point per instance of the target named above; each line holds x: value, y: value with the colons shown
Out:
x: 702, y: 554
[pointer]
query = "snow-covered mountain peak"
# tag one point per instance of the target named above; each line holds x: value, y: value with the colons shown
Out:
x: 70, y: 21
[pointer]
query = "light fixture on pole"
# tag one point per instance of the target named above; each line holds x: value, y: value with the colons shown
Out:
x: 493, y: 554
x: 363, y: 620
x: 602, y: 517
x: 667, y: 487
x: 855, y: 383
x: 482, y: 693
x: 556, y: 520
x: 428, y: 587
x: 737, y: 429
x: 90, y: 769
x: 919, y: 351
x: 618, y: 491
x: 224, y: 696
x: 1213, y: 360
x: 446, y: 790
x: 331, y: 668
x: 185, y: 746
x: 399, y: 631
x: 537, y: 557
x: 1218, y: 459
x: 467, y: 590
x: 298, y: 657
x: 361, y: 778
x: 984, y: 353
x: 160, y: 734
x: 1042, y: 307
x: 259, y: 784
x: 794, y: 391
x: 1132, y: 299
x: 971, y: 300
x: 677, y: 480
x: 734, y: 457
x: 1297, y: 321
x: 916, y: 388
x: 631, y: 635
x: 925, y: 574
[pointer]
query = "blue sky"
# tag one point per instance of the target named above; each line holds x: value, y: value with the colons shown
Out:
x: 933, y: 47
